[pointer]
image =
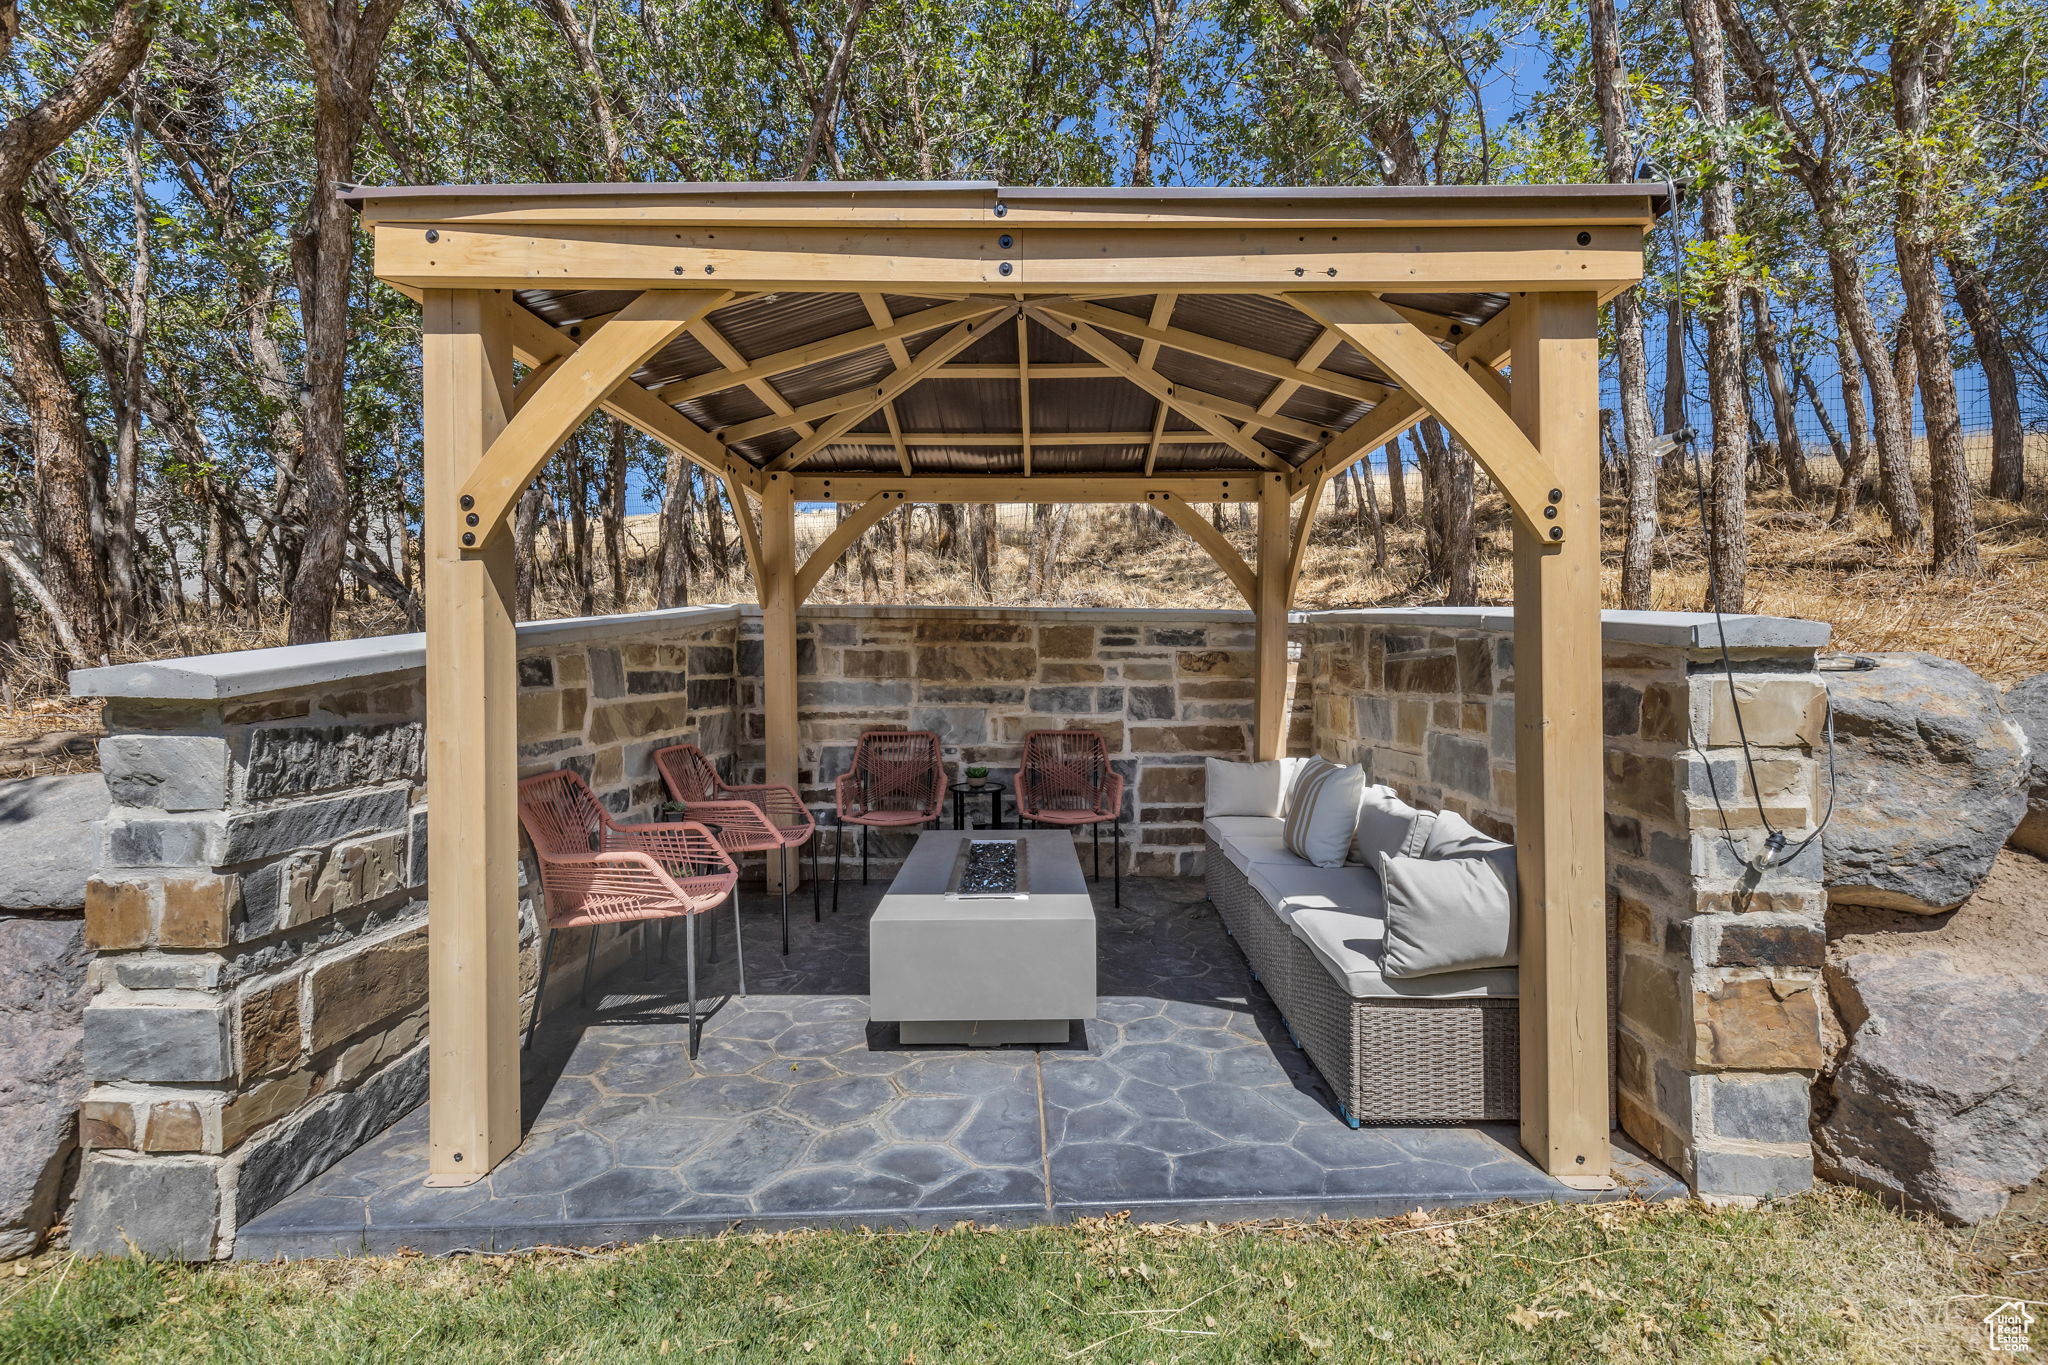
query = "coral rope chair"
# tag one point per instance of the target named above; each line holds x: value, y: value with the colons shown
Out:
x: 595, y: 871
x: 744, y: 819
x: 1066, y: 780
x: 897, y: 781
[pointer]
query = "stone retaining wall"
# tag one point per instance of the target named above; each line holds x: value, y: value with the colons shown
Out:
x: 1716, y: 966
x: 1165, y: 689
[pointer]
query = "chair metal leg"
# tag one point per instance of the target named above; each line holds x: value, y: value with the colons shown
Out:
x: 838, y: 865
x: 739, y: 946
x: 690, y: 978
x: 589, y: 965
x: 863, y: 855
x: 1116, y: 863
x: 1095, y: 838
x: 817, y: 888
x: 540, y: 987
x: 782, y: 864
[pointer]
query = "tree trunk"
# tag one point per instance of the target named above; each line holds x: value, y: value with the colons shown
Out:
x: 672, y: 585
x: 60, y: 445
x: 615, y: 547
x: 126, y: 398
x: 1784, y: 403
x: 10, y: 619
x: 1728, y: 547
x: 1674, y: 364
x: 525, y: 527
x: 899, y: 522
x: 1891, y: 405
x: 1632, y: 367
x: 61, y: 448
x: 343, y: 46
x: 1851, y: 488
x: 982, y: 550
x: 580, y: 570
x: 1397, y: 485
x: 1451, y: 474
x: 2001, y: 383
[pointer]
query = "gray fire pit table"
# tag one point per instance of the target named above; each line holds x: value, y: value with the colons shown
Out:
x: 982, y: 972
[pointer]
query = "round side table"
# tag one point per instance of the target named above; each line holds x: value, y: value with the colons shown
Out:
x: 962, y: 790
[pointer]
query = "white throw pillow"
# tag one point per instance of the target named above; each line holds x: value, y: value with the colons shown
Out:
x: 1384, y: 823
x: 1450, y: 914
x: 1322, y: 812
x: 1245, y: 788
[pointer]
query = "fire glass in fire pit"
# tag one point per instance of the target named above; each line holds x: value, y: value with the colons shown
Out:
x: 989, y: 869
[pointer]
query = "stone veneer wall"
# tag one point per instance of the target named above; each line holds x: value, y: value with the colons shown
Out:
x: 259, y: 913
x: 1716, y: 967
x: 1165, y: 689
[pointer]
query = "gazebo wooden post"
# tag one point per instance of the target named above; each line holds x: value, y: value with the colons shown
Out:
x: 1269, y: 613
x: 1560, y: 840
x: 778, y: 643
x: 472, y: 752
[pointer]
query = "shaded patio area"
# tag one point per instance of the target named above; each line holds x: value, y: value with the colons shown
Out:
x: 1183, y: 1099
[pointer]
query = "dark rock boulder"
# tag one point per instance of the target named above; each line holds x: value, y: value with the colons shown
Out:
x: 1930, y: 777
x: 42, y: 1077
x: 1938, y: 1095
x: 47, y: 841
x: 2027, y: 703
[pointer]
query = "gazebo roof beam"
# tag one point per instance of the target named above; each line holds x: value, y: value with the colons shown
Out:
x: 899, y: 356
x: 1166, y: 391
x: 1241, y: 486
x: 938, y: 353
x: 890, y: 334
x: 1228, y: 352
x: 1163, y: 304
x: 1040, y: 437
x: 725, y: 354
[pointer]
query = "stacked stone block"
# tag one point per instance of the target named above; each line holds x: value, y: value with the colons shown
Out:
x: 259, y: 922
x: 1716, y: 940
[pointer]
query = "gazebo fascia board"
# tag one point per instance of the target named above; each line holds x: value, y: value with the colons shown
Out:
x: 1009, y: 258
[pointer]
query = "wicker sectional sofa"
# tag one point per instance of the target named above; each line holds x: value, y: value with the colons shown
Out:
x: 1433, y: 1049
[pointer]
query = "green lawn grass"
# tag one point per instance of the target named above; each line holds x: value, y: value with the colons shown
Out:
x: 1831, y: 1276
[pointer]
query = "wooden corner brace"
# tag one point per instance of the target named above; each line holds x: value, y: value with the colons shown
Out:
x: 549, y: 414
x: 1209, y: 538
x: 1469, y: 408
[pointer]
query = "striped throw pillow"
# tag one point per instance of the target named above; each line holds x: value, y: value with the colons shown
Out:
x: 1322, y: 812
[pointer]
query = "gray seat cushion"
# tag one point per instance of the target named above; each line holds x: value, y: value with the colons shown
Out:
x: 1288, y: 887
x: 1223, y: 827
x: 1349, y: 944
x: 1246, y: 850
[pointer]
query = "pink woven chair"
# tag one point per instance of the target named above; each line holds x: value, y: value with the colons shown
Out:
x: 897, y: 781
x: 744, y: 819
x: 1066, y: 780
x: 595, y: 871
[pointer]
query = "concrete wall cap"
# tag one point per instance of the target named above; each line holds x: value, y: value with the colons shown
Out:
x: 255, y: 672
x: 1678, y: 629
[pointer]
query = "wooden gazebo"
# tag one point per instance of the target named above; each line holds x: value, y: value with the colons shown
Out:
x: 968, y: 342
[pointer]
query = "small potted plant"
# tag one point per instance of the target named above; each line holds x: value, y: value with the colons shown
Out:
x: 977, y: 777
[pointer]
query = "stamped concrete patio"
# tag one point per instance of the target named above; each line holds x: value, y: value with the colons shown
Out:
x: 1182, y: 1099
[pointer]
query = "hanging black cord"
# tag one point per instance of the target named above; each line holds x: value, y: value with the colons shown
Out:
x: 1775, y: 851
